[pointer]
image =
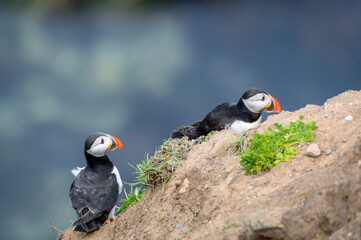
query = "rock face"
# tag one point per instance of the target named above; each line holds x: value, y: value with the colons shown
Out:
x: 208, y: 196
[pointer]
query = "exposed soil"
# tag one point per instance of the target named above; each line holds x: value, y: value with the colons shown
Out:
x: 209, y: 197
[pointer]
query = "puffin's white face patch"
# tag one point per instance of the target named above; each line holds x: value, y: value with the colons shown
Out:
x: 100, y: 146
x: 257, y: 103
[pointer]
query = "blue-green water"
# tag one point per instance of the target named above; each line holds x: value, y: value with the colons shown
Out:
x: 139, y: 74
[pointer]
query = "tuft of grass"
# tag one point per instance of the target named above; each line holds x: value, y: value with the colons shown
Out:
x: 132, y: 197
x: 159, y: 167
x: 201, y: 139
x: 274, y: 146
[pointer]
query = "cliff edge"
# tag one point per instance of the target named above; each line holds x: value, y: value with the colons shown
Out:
x: 315, y: 196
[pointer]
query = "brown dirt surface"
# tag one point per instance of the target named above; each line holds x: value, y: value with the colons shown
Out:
x: 209, y: 197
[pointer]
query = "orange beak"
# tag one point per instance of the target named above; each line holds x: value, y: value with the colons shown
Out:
x: 274, y: 106
x: 116, y: 143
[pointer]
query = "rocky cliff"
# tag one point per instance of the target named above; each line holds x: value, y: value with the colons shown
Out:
x: 315, y: 196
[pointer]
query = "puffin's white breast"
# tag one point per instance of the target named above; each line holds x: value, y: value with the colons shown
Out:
x: 240, y: 126
x: 119, y: 180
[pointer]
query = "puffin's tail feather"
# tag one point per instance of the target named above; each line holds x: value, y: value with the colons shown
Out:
x: 89, y: 227
x: 188, y: 131
x: 80, y: 228
x: 90, y: 222
x: 86, y: 217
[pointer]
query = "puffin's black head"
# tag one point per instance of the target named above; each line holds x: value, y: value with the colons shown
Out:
x: 98, y: 144
x: 258, y: 100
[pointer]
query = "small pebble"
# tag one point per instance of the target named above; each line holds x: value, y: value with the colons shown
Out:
x: 211, y: 202
x: 359, y: 163
x: 217, y: 183
x: 178, y: 183
x: 334, y: 147
x: 250, y: 187
x: 178, y: 225
x: 291, y: 175
x: 205, y: 221
x: 348, y: 118
x: 313, y: 150
x: 328, y: 152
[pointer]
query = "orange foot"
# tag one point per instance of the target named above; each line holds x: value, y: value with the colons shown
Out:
x: 111, y: 220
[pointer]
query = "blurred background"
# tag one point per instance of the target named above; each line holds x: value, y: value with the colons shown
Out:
x: 137, y: 69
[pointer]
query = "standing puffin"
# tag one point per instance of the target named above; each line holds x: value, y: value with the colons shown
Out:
x: 237, y: 117
x: 96, y: 187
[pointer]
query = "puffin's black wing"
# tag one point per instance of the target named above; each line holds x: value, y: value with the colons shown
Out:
x: 93, y: 196
x: 218, y: 119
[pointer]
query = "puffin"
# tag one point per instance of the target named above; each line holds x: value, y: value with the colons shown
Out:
x: 96, y: 187
x: 237, y: 117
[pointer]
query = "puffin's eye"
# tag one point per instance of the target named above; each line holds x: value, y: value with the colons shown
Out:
x: 263, y: 98
x: 102, y: 141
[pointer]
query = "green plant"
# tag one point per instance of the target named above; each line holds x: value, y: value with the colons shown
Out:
x: 132, y: 197
x: 239, y: 142
x: 196, y: 212
x: 229, y: 224
x: 268, y: 149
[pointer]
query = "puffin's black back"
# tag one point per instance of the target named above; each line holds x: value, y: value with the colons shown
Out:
x: 96, y: 191
x: 221, y: 117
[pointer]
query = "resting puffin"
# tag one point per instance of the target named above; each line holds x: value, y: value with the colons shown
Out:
x: 96, y: 187
x: 237, y: 117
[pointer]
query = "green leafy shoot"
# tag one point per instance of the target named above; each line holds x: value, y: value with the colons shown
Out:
x: 239, y: 142
x: 132, y: 197
x: 274, y: 146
